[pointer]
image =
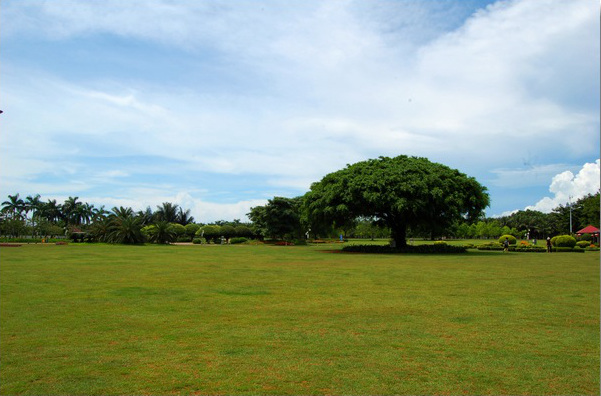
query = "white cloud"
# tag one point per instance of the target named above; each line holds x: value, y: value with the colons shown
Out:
x: 303, y: 89
x: 568, y: 187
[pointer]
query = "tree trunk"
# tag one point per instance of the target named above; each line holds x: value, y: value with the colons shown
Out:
x: 399, y: 235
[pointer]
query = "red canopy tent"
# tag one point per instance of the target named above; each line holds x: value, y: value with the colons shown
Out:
x: 588, y: 230
x: 594, y: 231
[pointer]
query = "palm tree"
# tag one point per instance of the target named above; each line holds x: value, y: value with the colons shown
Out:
x: 51, y: 211
x: 184, y: 218
x: 162, y: 232
x: 146, y: 215
x: 14, y: 207
x: 33, y: 205
x: 85, y: 213
x: 99, y: 214
x: 124, y: 227
x: 71, y: 211
x: 167, y: 212
x: 100, y: 230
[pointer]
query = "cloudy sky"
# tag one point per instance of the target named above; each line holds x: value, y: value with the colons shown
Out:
x: 221, y: 105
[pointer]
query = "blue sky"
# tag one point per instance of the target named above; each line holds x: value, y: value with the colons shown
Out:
x: 221, y: 105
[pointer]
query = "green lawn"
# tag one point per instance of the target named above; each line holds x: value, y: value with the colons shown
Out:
x: 98, y: 319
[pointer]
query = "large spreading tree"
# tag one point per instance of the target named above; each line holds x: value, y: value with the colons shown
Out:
x: 402, y: 192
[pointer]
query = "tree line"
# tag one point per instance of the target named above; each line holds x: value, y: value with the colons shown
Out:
x: 284, y: 218
x: 398, y: 198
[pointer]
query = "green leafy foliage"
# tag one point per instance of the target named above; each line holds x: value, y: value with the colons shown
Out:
x: 162, y: 232
x: 191, y: 229
x: 280, y: 218
x: 124, y: 227
x: 211, y: 233
x: 563, y: 241
x: 512, y: 240
x: 402, y: 192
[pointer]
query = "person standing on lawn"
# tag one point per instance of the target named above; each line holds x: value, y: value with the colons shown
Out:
x: 506, y: 245
x: 549, y: 245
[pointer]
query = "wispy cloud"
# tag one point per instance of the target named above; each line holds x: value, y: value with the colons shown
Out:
x: 286, y: 93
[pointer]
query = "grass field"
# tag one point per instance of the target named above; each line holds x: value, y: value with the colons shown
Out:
x: 100, y: 319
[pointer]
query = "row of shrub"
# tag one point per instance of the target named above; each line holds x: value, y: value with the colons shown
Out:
x: 559, y: 241
x: 31, y: 240
x: 437, y: 248
x: 512, y: 248
x: 533, y: 248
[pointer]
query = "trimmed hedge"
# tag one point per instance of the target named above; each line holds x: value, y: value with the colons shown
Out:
x: 423, y: 249
x: 563, y: 241
x: 492, y: 246
x: 238, y: 240
x: 511, y: 238
x: 530, y: 249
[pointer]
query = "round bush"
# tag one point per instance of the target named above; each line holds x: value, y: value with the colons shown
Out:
x: 511, y: 238
x: 564, y: 241
x: 196, y: 241
x: 583, y: 244
x: 237, y: 240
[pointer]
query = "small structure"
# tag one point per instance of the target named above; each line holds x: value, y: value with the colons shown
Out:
x: 594, y: 231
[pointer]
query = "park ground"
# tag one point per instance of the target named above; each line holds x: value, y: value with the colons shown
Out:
x: 107, y: 319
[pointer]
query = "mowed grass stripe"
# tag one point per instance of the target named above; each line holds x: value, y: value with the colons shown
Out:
x: 98, y: 319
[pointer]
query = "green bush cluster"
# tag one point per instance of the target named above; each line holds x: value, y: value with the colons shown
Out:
x: 512, y: 240
x: 238, y: 240
x: 423, y: 249
x: 563, y: 241
x: 493, y: 246
x: 583, y: 244
x: 529, y: 248
x: 196, y: 241
x: 31, y: 240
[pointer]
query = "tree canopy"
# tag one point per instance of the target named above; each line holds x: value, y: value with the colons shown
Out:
x: 401, y: 193
x: 281, y: 217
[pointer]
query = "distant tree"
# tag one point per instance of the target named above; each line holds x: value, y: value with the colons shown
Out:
x: 14, y: 208
x: 227, y: 231
x: 401, y: 192
x: 243, y: 231
x: 52, y: 211
x: 280, y: 218
x: 258, y: 216
x: 161, y: 232
x: 588, y: 211
x: 183, y: 217
x: 368, y: 228
x: 99, y: 214
x: 191, y: 230
x: 180, y: 230
x: 210, y: 233
x: 167, y: 212
x: 72, y: 211
x: 124, y: 227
